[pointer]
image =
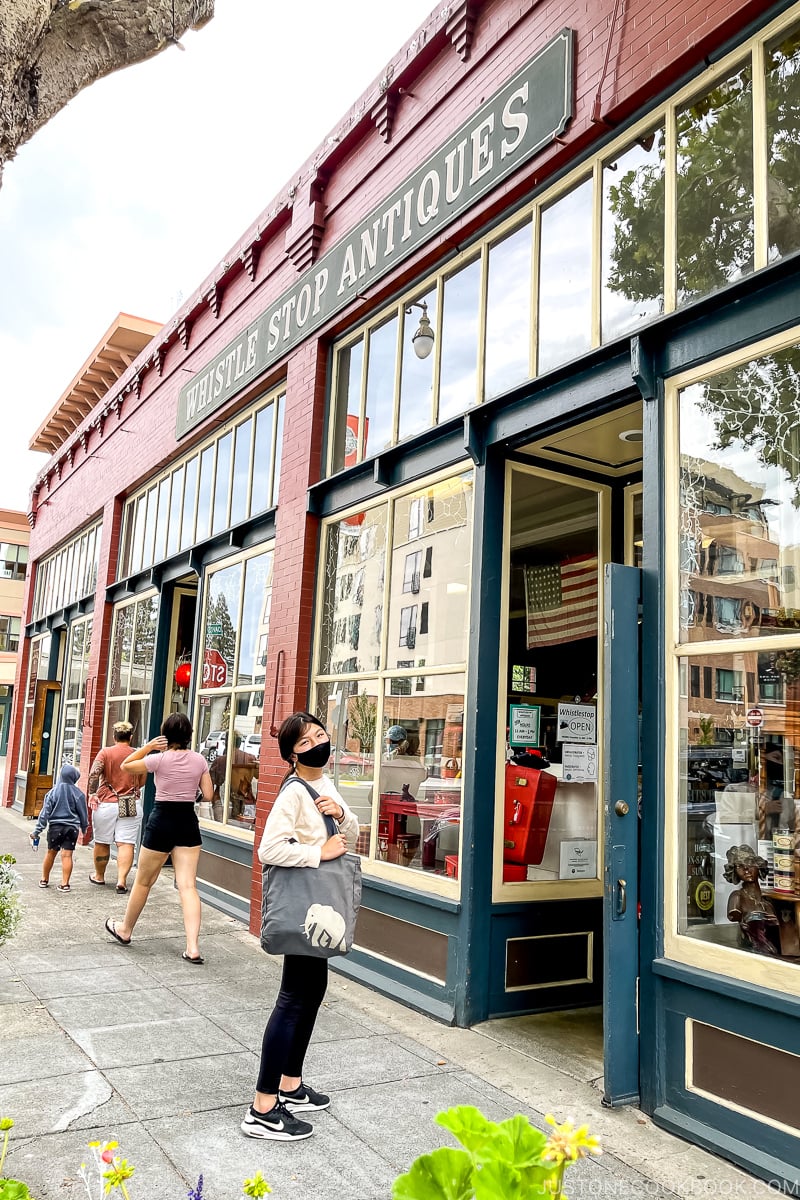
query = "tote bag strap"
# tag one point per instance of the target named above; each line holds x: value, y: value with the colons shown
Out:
x: 330, y: 824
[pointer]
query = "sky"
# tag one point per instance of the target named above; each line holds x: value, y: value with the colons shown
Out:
x: 129, y: 197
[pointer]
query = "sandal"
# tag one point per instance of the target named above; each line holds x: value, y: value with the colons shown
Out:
x: 43, y: 883
x: 120, y: 889
x: 63, y: 887
x: 97, y: 882
x: 197, y: 960
x: 110, y: 929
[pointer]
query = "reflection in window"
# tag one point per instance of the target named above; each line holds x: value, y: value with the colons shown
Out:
x: 219, y: 518
x: 565, y: 301
x: 380, y: 388
x: 508, y: 312
x: 738, y: 820
x: 633, y: 236
x: 230, y: 691
x: 189, y: 501
x: 459, y: 341
x: 361, y: 539
x: 782, y: 62
x: 77, y: 668
x: 416, y: 379
x: 204, y: 493
x: 350, y: 362
x: 715, y: 187
x: 241, y: 471
x: 9, y: 634
x: 175, y: 510
x: 740, y: 500
x: 130, y: 667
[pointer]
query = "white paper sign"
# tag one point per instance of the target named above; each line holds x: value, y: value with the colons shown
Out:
x: 578, y: 859
x: 577, y: 723
x: 579, y: 763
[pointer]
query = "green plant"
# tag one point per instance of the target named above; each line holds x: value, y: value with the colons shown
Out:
x: 706, y: 731
x: 10, y: 1189
x: 10, y: 911
x: 506, y: 1161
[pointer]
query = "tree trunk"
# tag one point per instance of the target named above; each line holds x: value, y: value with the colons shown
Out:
x: 51, y: 49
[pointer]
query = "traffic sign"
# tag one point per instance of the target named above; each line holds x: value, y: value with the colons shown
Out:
x: 215, y: 669
x: 755, y: 717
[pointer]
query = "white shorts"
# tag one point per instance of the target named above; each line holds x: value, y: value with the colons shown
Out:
x: 108, y: 826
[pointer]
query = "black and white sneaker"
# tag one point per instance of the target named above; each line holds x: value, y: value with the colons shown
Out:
x: 304, y: 1099
x: 277, y: 1125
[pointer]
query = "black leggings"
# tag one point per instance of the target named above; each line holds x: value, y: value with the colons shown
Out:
x: 291, y: 1024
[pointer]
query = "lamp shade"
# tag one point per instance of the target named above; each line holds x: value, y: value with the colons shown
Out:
x: 183, y: 674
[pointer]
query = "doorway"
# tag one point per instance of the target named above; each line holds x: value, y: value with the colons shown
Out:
x: 181, y: 643
x: 573, y: 506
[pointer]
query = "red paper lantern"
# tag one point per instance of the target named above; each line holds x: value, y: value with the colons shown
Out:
x: 183, y: 674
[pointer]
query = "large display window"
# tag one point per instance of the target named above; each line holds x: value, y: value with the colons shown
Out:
x: 229, y: 699
x: 550, y: 719
x: 79, y: 643
x: 390, y: 659
x: 734, y: 752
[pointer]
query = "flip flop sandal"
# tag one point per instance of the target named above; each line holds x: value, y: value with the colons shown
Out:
x: 121, y: 891
x: 110, y: 929
x: 97, y: 882
x: 63, y: 887
x: 197, y: 961
x: 43, y: 883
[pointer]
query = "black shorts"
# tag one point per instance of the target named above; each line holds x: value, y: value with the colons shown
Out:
x: 171, y: 824
x: 62, y: 837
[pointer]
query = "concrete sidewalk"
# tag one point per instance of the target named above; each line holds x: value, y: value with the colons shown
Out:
x: 101, y: 1042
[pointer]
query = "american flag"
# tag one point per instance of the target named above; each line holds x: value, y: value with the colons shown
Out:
x: 561, y: 601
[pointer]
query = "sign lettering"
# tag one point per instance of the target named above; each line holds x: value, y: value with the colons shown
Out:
x: 515, y: 123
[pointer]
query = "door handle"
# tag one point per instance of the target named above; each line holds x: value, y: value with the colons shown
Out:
x: 622, y: 896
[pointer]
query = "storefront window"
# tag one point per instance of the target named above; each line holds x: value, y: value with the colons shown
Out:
x: 565, y: 294
x: 233, y: 477
x: 738, y: 743
x: 633, y: 236
x: 416, y: 377
x: 782, y: 62
x: 508, y: 312
x: 715, y: 186
x: 68, y: 575
x: 380, y: 388
x: 130, y: 667
x: 347, y: 449
x: 79, y: 642
x: 410, y: 670
x: 458, y: 372
x: 739, y: 493
x: 230, y: 694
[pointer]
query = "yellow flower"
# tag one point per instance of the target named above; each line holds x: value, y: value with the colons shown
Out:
x: 257, y: 1186
x: 568, y: 1144
x: 6, y: 1123
x: 117, y: 1173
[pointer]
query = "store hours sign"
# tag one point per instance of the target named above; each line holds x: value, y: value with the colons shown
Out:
x: 515, y: 123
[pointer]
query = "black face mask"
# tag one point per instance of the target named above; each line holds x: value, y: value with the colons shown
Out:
x: 317, y: 756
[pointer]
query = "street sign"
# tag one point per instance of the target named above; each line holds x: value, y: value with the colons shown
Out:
x: 214, y: 629
x: 755, y: 717
x: 215, y: 669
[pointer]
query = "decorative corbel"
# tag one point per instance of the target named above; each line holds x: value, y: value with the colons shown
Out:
x: 460, y: 27
x: 159, y: 357
x: 135, y: 386
x: 249, y: 257
x: 643, y: 368
x: 213, y: 298
x: 383, y: 113
x: 304, y: 236
x: 184, y: 330
x: 84, y: 441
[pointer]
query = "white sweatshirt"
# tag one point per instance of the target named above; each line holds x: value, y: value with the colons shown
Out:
x: 295, y: 831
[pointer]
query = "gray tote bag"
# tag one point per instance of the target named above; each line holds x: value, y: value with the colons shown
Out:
x: 311, y: 910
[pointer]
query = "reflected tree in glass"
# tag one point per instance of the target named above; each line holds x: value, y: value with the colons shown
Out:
x: 633, y: 235
x: 783, y: 144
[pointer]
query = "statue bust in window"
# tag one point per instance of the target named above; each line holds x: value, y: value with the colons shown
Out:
x: 757, y: 919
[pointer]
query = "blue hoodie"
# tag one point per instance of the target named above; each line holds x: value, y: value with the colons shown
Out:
x: 64, y: 804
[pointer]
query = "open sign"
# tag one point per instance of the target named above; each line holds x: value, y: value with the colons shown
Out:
x: 577, y: 723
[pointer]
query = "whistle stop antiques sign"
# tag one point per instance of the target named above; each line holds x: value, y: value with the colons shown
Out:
x: 515, y: 123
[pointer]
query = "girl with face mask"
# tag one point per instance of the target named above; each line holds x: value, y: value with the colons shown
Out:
x: 295, y: 835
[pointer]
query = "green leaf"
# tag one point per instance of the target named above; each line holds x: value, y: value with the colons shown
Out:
x: 499, y: 1181
x: 470, y: 1127
x: 12, y: 1189
x: 519, y: 1144
x: 445, y: 1174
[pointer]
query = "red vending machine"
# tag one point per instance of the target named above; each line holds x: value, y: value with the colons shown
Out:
x: 529, y: 803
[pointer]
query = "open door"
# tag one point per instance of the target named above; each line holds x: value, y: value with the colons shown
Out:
x: 41, y: 763
x: 621, y: 790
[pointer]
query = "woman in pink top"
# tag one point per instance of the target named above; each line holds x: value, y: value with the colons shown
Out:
x: 172, y: 827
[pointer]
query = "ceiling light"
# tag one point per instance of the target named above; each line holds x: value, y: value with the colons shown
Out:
x: 631, y: 435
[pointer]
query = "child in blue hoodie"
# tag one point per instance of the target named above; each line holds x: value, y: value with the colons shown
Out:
x: 64, y: 813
